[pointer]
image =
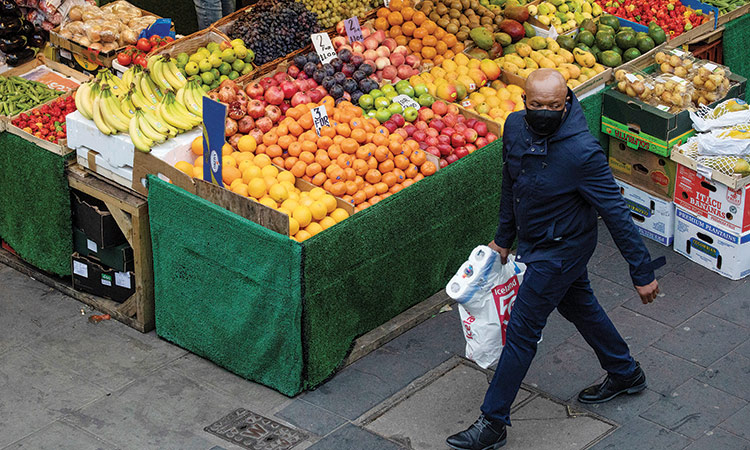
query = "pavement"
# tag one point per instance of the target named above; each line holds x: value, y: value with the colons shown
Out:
x: 66, y: 383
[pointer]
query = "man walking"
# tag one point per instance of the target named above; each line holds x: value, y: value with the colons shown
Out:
x: 555, y: 181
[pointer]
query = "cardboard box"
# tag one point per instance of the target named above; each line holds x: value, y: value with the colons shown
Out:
x: 91, y: 216
x: 734, y: 181
x: 727, y: 207
x: 711, y: 246
x: 644, y: 126
x: 645, y: 170
x: 119, y: 258
x: 96, y: 279
x: 654, y: 216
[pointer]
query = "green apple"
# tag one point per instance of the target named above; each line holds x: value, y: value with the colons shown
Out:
x: 406, y: 89
x: 250, y: 56
x: 197, y: 57
x: 240, y: 51
x: 381, y: 103
x: 375, y: 93
x: 391, y: 95
x: 214, y: 60
x: 426, y: 99
x: 233, y: 75
x: 228, y: 55
x: 395, y: 108
x: 215, y: 84
x: 366, y: 102
x: 216, y: 73
x: 223, y: 77
x: 205, y: 87
x: 386, y: 88
x: 237, y: 43
x: 420, y: 89
x: 225, y: 68
x: 410, y: 114
x: 205, y: 65
x: 247, y: 69
x: 191, y: 68
x: 238, y: 65
x: 382, y: 115
x: 371, y: 114
x: 207, y: 77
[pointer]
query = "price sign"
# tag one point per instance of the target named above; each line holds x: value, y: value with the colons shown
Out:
x: 353, y: 30
x: 663, y: 107
x: 386, y: 3
x: 405, y: 101
x: 323, y: 47
x: 711, y: 67
x: 214, y: 116
x: 320, y: 118
x: 632, y: 78
x: 466, y: 104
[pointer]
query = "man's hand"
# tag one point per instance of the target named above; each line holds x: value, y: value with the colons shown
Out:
x: 504, y: 252
x: 648, y: 292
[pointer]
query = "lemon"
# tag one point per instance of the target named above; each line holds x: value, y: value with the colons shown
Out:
x: 313, y: 228
x: 306, y: 200
x: 270, y: 181
x: 269, y: 171
x: 244, y: 165
x: 286, y: 175
x: 339, y: 214
x: 293, y: 226
x: 247, y: 144
x: 278, y: 192
x: 302, y: 235
x: 239, y: 188
x: 317, y: 192
x: 302, y: 215
x: 327, y: 222
x: 318, y: 210
x: 185, y: 167
x: 330, y: 202
x: 228, y: 161
x: 250, y: 173
x: 257, y: 188
x: 268, y: 201
x: 289, y: 204
x: 262, y: 160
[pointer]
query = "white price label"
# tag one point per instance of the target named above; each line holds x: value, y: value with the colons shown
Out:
x: 353, y: 30
x: 662, y: 107
x: 710, y: 67
x: 405, y: 101
x: 122, y: 279
x: 80, y: 269
x: 466, y: 104
x: 472, y: 87
x: 91, y: 245
x: 323, y: 47
x: 320, y: 118
x: 632, y: 78
x: 106, y: 279
x: 678, y: 52
x: 386, y: 3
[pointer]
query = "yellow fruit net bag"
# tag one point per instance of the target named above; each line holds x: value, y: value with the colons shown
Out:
x: 729, y: 165
x: 726, y: 114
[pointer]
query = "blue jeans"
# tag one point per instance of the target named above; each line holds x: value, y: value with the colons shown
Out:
x: 209, y: 11
x: 548, y: 285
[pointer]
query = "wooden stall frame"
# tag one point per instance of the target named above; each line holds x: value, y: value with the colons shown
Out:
x: 130, y: 211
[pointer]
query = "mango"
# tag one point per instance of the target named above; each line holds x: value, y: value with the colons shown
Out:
x: 568, y: 56
x: 523, y: 50
x: 583, y: 58
x: 530, y: 63
x: 538, y: 43
x: 552, y: 44
x: 510, y: 67
x: 546, y: 63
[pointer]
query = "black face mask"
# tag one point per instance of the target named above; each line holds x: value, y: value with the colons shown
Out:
x: 544, y: 122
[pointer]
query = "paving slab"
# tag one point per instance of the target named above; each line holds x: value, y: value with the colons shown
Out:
x: 730, y: 374
x: 719, y: 439
x: 703, y: 339
x: 432, y: 342
x: 564, y: 371
x: 680, y: 299
x: 351, y: 437
x: 694, y: 409
x: 29, y: 309
x: 108, y: 354
x: 735, y: 306
x: 610, y: 294
x: 309, y: 417
x: 61, y: 436
x: 706, y: 277
x: 624, y: 408
x: 640, y: 434
x: 613, y: 268
x: 164, y: 410
x: 666, y: 372
x: 638, y: 330
x: 447, y: 405
x: 35, y: 393
x: 253, y: 396
x: 738, y: 423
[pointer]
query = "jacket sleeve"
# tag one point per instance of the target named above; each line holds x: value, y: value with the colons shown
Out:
x: 598, y: 187
x: 506, y: 229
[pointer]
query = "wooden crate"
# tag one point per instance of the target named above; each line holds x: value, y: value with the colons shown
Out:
x: 130, y: 211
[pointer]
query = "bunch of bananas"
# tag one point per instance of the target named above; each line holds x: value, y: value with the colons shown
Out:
x: 165, y: 73
x: 148, y: 109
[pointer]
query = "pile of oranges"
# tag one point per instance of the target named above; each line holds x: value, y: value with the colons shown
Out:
x: 355, y: 158
x: 413, y: 29
x: 254, y: 176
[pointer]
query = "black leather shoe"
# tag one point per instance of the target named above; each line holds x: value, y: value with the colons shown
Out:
x: 612, y: 387
x: 482, y: 435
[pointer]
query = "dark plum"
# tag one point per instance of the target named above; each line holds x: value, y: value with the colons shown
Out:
x: 340, y: 77
x: 337, y: 64
x: 357, y: 60
x: 358, y: 75
x: 309, y: 69
x: 368, y: 69
x: 364, y: 85
x: 329, y: 70
x: 300, y: 61
x: 313, y: 58
x: 350, y: 85
x: 348, y: 69
x: 318, y: 75
x: 355, y: 96
x: 345, y: 55
x: 336, y: 91
x: 328, y: 82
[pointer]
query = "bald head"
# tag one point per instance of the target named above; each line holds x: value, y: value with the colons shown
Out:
x: 546, y: 89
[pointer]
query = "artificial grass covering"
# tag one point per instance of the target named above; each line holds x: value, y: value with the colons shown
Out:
x: 35, y: 211
x: 592, y: 111
x: 285, y: 314
x: 736, y: 55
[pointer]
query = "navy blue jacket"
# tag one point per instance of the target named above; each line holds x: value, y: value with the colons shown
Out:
x: 552, y: 190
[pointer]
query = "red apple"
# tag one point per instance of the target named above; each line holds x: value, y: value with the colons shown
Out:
x: 448, y: 131
x: 458, y: 140
x: 491, y: 137
x: 481, y: 142
x: 398, y: 119
x: 403, y: 133
x: 426, y: 114
x: 431, y: 140
x: 450, y: 159
x: 433, y: 150
x: 461, y: 152
x: 481, y: 128
x: 470, y: 147
x: 390, y: 125
x: 422, y: 145
x: 460, y: 127
x: 471, y: 122
x: 404, y: 71
x: 302, y: 75
x: 444, y: 139
x: 440, y: 108
x: 410, y: 129
x: 256, y: 109
x: 390, y: 72
x: 421, y: 124
x: 460, y: 118
x: 254, y: 90
x: 397, y: 59
x: 443, y: 163
x: 413, y: 60
x: 453, y: 109
x: 437, y: 124
x: 419, y: 135
x: 450, y: 119
x: 445, y: 149
x: 433, y: 132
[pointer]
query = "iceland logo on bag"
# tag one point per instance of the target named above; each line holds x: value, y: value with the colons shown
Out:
x: 503, y: 294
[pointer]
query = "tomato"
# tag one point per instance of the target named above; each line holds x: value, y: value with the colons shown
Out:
x: 169, y: 38
x: 154, y: 39
x: 124, y: 59
x: 141, y: 60
x: 143, y: 45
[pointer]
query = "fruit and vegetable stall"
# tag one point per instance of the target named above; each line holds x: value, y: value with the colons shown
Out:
x: 358, y: 158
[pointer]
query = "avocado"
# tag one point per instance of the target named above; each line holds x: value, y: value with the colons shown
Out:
x: 596, y: 51
x: 631, y: 54
x: 605, y: 40
x: 583, y: 47
x: 610, y: 58
x: 503, y: 39
x: 657, y: 34
x: 530, y: 32
x: 628, y: 29
x: 482, y: 37
x: 606, y: 28
x: 645, y: 44
x: 640, y: 34
x: 610, y: 20
x: 566, y: 42
x: 585, y: 37
x: 625, y: 40
x: 617, y: 50
x: 589, y: 25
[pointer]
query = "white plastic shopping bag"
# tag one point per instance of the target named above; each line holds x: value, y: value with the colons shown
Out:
x: 485, y: 290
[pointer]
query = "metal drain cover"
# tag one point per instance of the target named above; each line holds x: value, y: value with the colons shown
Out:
x: 255, y: 432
